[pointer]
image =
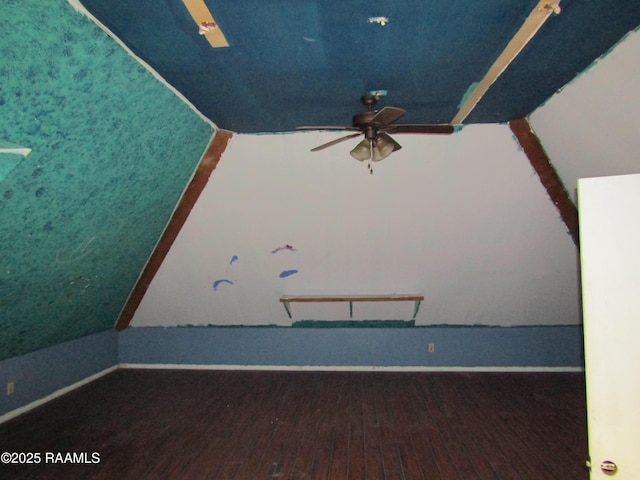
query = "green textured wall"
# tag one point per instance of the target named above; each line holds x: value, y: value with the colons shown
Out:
x: 113, y: 149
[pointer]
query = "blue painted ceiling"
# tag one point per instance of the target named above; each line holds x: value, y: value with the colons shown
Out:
x: 307, y: 62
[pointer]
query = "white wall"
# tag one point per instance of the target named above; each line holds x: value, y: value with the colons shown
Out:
x: 590, y: 128
x: 462, y: 219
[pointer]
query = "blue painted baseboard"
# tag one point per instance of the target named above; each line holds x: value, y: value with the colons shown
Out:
x: 41, y: 373
x: 475, y: 346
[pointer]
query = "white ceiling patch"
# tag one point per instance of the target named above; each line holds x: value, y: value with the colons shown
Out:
x: 382, y: 21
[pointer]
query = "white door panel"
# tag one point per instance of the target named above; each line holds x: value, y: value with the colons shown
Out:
x: 610, y: 262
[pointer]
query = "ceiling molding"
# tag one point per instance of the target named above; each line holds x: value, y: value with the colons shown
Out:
x: 547, y: 174
x: 542, y: 11
x: 200, y: 178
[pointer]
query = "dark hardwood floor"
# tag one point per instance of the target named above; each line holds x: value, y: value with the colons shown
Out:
x: 264, y: 425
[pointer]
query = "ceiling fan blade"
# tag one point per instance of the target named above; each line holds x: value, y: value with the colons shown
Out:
x: 387, y: 115
x: 421, y: 128
x: 387, y: 138
x: 334, y: 142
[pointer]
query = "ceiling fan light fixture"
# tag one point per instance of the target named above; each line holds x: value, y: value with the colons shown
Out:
x: 381, y: 149
x: 362, y: 151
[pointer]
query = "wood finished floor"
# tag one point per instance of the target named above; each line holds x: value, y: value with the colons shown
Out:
x: 160, y: 424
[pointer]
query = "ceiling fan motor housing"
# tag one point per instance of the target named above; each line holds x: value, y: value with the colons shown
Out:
x: 363, y: 122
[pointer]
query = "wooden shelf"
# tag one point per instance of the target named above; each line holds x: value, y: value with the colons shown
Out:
x: 288, y: 299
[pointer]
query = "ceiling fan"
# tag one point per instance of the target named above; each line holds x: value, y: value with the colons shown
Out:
x: 376, y: 126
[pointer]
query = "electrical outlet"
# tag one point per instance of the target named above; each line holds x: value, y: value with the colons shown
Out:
x: 432, y: 347
x: 10, y: 388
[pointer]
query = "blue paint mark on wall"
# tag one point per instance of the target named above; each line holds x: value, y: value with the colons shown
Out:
x: 233, y: 259
x: 287, y: 273
x: 218, y: 282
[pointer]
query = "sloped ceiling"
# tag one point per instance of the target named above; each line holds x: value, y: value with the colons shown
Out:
x: 112, y: 149
x: 599, y: 117
x: 307, y: 62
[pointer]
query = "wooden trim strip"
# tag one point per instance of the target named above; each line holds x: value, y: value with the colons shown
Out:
x: 200, y: 178
x: 529, y: 28
x: 205, y: 23
x: 547, y: 174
